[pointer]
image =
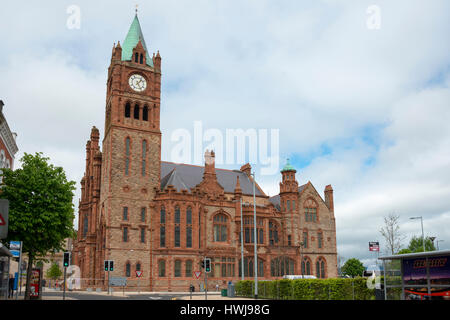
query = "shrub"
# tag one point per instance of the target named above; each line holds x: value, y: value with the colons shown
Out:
x: 309, y: 289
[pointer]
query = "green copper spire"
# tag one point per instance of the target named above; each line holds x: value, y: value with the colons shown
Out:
x: 288, y: 167
x: 132, y: 39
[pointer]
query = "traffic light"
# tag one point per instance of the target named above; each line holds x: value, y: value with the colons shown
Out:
x: 66, y: 259
x: 207, y: 265
x: 106, y: 265
x: 111, y: 265
x: 203, y: 264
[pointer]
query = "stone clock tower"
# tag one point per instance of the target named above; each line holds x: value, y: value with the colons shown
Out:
x: 131, y: 154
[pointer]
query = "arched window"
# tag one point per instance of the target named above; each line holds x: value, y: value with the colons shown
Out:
x: 127, y: 110
x: 162, y: 268
x: 145, y: 113
x: 320, y: 268
x: 144, y: 156
x: 136, y: 57
x: 162, y: 228
x: 320, y: 239
x: 188, y: 268
x: 125, y: 213
x: 142, y: 235
x: 177, y: 268
x: 282, y: 266
x: 177, y: 214
x: 143, y: 214
x: 310, y: 211
x: 138, y: 266
x: 136, y: 111
x: 305, y: 239
x: 306, y: 266
x: 273, y: 233
x: 128, y: 270
x: 177, y: 227
x: 141, y: 60
x: 127, y: 155
x: 220, y: 227
x: 249, y: 267
x: 85, y: 225
x: 189, y: 227
x: 163, y: 215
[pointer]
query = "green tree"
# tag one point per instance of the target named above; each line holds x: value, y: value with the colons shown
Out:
x: 54, y: 272
x: 353, y: 267
x: 41, y: 212
x: 416, y: 244
x: 404, y: 251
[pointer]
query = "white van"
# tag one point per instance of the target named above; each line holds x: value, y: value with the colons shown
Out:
x: 292, y: 277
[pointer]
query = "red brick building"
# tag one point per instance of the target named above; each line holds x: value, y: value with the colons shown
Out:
x: 163, y: 218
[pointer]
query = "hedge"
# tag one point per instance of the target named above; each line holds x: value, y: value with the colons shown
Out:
x: 308, y: 289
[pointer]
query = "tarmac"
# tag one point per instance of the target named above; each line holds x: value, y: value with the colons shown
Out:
x: 211, y: 295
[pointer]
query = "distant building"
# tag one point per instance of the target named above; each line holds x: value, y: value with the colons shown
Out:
x: 160, y: 219
x: 8, y: 147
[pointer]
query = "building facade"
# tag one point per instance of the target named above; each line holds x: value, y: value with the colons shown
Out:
x: 162, y: 219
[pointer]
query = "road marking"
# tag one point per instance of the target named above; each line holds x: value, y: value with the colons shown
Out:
x: 155, y: 298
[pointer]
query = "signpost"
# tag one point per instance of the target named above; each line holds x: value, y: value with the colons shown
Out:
x: 374, y: 246
x: 138, y: 275
x: 16, y: 250
x: 197, y: 274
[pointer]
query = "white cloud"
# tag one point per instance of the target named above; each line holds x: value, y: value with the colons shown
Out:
x: 311, y: 69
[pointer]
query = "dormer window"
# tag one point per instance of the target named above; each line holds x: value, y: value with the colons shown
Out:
x: 141, y: 61
x: 136, y: 57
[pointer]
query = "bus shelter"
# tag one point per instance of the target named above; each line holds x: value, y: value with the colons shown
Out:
x: 417, y: 276
x: 5, y: 256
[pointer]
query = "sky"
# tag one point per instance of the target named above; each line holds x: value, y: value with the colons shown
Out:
x: 357, y: 90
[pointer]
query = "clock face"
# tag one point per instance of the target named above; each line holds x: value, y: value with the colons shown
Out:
x: 137, y: 82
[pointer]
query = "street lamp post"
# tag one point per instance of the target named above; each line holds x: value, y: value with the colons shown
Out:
x: 242, y: 245
x: 255, y: 238
x: 301, y: 258
x: 432, y: 239
x: 421, y: 222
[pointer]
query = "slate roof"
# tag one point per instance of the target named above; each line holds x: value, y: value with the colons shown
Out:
x: 187, y: 176
x: 276, y: 199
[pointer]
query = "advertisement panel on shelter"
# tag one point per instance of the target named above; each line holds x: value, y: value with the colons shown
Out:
x: 35, y: 281
x: 415, y: 277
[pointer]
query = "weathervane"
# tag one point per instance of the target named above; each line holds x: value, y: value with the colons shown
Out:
x: 136, y: 8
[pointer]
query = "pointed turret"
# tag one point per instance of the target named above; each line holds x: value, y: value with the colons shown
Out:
x: 132, y: 39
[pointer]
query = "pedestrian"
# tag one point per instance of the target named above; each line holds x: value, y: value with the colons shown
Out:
x: 11, y: 286
x: 217, y: 287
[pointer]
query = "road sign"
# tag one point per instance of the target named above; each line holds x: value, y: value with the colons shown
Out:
x: 118, y: 282
x: 374, y: 246
x: 14, y: 248
x: 197, y: 274
x: 138, y: 274
x: 4, y: 209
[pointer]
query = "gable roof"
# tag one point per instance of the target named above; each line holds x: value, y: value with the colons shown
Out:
x: 187, y: 176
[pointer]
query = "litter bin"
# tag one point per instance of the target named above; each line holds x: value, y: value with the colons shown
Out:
x: 230, y: 292
x: 224, y: 292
